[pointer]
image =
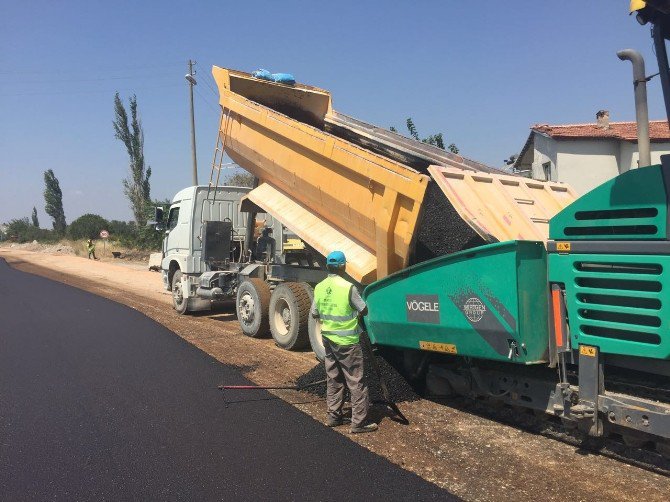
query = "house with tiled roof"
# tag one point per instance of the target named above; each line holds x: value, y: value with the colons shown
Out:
x: 586, y: 155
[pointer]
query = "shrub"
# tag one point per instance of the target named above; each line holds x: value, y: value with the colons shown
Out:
x: 87, y: 226
x: 20, y: 230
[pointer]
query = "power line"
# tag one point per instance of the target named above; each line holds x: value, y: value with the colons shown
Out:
x: 207, y: 102
x: 101, y: 79
x: 89, y: 70
x: 206, y: 80
x: 89, y: 91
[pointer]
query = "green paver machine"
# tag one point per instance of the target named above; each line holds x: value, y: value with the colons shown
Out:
x: 579, y: 329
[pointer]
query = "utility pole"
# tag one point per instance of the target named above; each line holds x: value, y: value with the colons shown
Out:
x: 191, y: 82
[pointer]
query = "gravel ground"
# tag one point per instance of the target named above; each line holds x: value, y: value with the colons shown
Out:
x: 468, y: 454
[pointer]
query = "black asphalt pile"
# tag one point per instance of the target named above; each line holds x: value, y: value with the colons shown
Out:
x: 441, y: 230
x: 399, y: 389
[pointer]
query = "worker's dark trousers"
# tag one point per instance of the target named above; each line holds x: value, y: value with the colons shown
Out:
x: 344, y: 365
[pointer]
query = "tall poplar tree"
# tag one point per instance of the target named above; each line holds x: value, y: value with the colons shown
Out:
x: 136, y: 186
x: 36, y: 222
x: 53, y: 198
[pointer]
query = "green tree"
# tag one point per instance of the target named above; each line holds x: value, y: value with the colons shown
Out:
x: 412, y: 129
x: 120, y: 229
x: 36, y: 222
x: 240, y: 180
x: 20, y: 230
x: 434, y: 139
x: 53, y: 197
x: 136, y: 186
x: 17, y: 230
x: 87, y: 226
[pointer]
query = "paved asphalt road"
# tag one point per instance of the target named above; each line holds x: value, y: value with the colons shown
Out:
x: 98, y: 402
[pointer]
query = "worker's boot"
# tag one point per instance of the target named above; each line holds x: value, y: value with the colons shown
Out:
x: 337, y: 421
x: 359, y: 429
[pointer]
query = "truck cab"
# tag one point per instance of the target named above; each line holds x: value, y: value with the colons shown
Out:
x: 192, y: 211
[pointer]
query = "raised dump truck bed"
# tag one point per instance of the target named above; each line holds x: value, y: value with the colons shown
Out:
x: 409, y: 152
x: 340, y: 183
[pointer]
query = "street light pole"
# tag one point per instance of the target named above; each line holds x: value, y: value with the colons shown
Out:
x: 191, y: 82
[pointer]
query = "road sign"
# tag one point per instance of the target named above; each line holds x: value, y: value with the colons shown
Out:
x: 104, y: 234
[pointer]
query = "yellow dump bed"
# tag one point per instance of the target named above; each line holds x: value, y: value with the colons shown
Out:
x: 501, y: 207
x: 339, y: 183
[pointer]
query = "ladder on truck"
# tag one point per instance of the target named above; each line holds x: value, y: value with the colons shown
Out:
x: 217, y: 162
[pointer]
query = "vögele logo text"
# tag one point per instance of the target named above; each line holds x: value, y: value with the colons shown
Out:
x: 423, y: 306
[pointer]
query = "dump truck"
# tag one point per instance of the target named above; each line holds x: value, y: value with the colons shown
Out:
x: 359, y: 188
x: 334, y: 182
x: 483, y: 283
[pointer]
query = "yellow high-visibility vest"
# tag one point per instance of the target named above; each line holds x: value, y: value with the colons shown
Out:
x: 339, y: 321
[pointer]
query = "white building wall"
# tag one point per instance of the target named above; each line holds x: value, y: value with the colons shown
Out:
x: 629, y: 156
x: 544, y: 151
x: 585, y: 164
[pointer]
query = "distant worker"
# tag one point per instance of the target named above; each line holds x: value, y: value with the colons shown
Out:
x: 338, y: 305
x: 90, y: 246
x: 266, y: 245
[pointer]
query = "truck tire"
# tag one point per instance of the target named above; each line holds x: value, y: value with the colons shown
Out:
x: 314, y: 328
x: 310, y: 292
x: 315, y: 339
x: 179, y: 303
x: 289, y: 312
x: 252, y: 306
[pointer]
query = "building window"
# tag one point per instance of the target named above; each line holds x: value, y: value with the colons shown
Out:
x: 546, y: 167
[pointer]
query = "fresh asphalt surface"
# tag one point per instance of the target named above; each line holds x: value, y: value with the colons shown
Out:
x: 98, y: 402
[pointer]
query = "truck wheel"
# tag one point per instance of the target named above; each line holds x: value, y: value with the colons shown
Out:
x: 179, y: 303
x: 310, y: 292
x: 289, y: 310
x: 314, y: 328
x: 315, y: 339
x: 253, y: 300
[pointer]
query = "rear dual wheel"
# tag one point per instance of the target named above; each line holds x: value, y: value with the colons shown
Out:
x: 289, y: 313
x: 283, y: 313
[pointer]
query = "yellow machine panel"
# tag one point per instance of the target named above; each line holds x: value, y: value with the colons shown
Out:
x: 501, y: 207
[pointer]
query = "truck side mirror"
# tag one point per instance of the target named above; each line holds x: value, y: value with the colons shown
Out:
x: 157, y: 222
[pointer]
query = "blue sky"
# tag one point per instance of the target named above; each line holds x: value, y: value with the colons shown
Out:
x: 480, y: 74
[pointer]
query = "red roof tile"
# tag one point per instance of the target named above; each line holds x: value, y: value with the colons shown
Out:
x: 627, y: 131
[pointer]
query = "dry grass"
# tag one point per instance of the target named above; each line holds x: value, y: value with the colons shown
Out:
x: 103, y: 249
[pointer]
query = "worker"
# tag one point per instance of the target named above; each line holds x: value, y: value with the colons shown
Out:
x: 266, y: 245
x: 90, y: 246
x: 338, y: 306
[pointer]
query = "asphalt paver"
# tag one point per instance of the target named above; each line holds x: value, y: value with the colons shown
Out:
x: 98, y: 402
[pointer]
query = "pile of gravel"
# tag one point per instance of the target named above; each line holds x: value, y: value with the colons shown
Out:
x: 399, y: 389
x: 441, y: 230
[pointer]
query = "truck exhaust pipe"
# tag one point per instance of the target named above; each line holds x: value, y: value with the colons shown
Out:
x: 641, y: 109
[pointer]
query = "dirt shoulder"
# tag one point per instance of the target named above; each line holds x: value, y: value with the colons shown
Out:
x: 471, y: 456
